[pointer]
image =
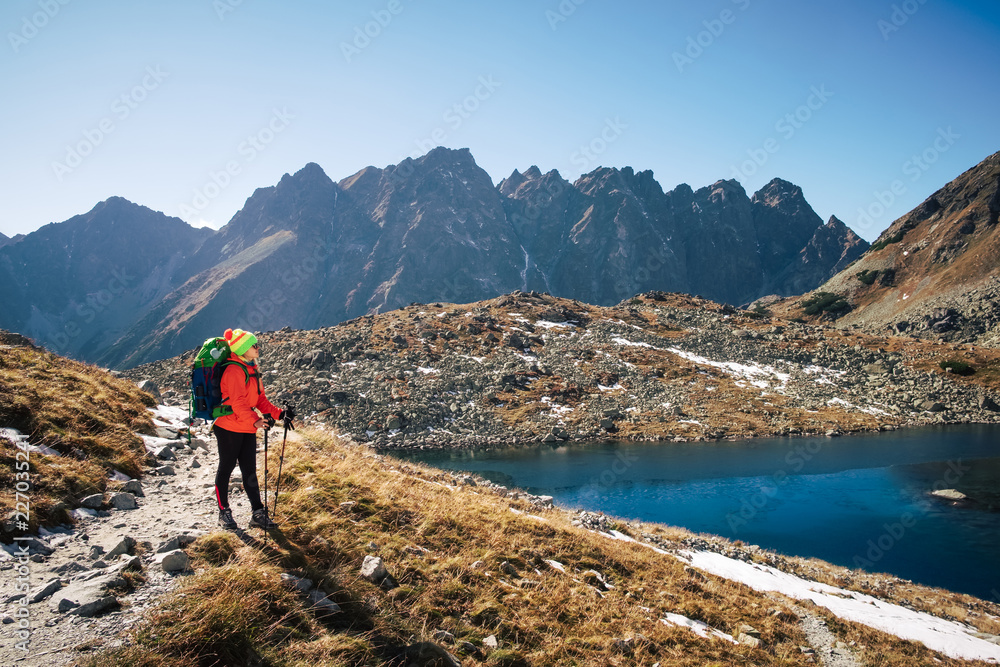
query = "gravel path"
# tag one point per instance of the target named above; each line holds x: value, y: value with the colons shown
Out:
x: 179, y: 506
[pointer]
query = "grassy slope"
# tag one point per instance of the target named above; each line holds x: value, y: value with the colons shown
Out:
x: 84, y: 413
x: 236, y: 611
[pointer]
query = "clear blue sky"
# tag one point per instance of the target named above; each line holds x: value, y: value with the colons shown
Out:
x: 162, y: 95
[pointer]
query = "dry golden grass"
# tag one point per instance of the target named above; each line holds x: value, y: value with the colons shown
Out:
x: 446, y: 547
x: 84, y: 413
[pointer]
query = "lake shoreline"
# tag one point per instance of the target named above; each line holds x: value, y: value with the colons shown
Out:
x: 773, y: 492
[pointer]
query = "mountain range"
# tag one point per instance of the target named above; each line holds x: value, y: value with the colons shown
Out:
x: 122, y: 284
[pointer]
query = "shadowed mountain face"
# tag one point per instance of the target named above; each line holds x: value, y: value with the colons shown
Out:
x: 615, y: 233
x: 77, y: 286
x: 309, y: 252
x: 934, y: 271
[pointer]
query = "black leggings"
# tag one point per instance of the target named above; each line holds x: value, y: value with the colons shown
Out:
x: 237, y: 448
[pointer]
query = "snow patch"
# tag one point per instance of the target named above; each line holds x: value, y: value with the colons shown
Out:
x: 701, y: 629
x: 629, y: 343
x: 955, y: 640
x: 759, y: 376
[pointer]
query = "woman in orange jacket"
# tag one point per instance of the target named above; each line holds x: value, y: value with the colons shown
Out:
x: 236, y: 432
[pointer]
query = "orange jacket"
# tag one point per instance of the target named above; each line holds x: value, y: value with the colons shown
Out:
x: 243, y: 394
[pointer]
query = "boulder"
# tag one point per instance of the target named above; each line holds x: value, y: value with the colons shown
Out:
x: 93, y: 502
x: 178, y: 541
x: 166, y: 454
x: 428, y: 654
x: 173, y: 561
x: 987, y: 403
x: 132, y: 486
x: 300, y: 584
x: 124, y: 501
x: 373, y: 569
x: 949, y: 494
x: 45, y: 591
x: 86, y: 597
x: 322, y: 603
x: 748, y: 635
x: 124, y: 546
x: 150, y: 388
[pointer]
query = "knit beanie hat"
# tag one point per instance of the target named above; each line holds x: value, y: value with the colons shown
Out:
x: 240, y: 341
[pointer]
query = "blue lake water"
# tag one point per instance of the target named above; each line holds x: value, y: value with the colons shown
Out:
x: 858, y: 501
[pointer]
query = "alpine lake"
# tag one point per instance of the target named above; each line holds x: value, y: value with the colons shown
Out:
x: 861, y: 501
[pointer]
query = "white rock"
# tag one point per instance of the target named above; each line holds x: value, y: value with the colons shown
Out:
x: 173, y: 561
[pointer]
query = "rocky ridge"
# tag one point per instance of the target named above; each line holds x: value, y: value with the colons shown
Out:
x: 529, y: 367
x: 932, y: 273
x: 122, y: 285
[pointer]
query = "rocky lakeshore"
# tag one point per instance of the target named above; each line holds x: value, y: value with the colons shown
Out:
x: 528, y: 367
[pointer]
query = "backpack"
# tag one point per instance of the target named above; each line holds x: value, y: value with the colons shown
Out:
x: 206, y: 379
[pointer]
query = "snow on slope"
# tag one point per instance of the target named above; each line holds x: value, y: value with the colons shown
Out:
x: 953, y: 639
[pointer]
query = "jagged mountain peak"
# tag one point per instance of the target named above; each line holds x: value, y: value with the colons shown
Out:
x: 838, y: 225
x: 446, y: 158
x: 723, y: 190
x: 111, y: 209
x: 367, y: 177
x: 508, y: 186
x: 308, y: 177
x: 531, y: 180
x: 778, y: 187
x: 683, y: 191
x: 533, y: 172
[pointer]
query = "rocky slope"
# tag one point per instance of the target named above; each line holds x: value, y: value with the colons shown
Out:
x: 528, y: 367
x: 310, y: 252
x: 933, y: 272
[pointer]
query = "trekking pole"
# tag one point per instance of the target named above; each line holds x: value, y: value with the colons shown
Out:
x: 266, y: 429
x: 281, y: 461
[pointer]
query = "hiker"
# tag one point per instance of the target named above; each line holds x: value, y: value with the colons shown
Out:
x: 236, y: 432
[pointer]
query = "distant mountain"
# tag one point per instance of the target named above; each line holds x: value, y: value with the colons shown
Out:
x: 309, y: 252
x: 76, y: 286
x: 615, y: 233
x: 935, y: 271
x: 4, y: 240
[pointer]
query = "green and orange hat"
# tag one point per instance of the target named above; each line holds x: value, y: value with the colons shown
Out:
x: 240, y: 341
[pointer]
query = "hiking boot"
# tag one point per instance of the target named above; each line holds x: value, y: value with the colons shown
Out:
x: 226, y: 520
x: 260, y: 519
